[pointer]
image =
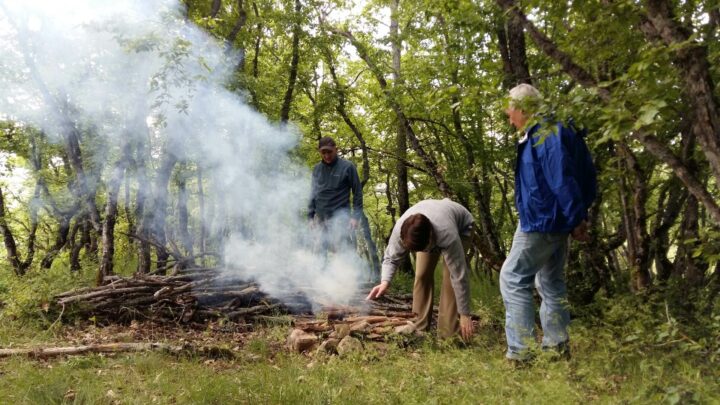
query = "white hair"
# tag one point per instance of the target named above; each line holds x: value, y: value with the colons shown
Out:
x: 522, y: 91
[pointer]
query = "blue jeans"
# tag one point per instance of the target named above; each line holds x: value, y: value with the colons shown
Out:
x: 535, y: 258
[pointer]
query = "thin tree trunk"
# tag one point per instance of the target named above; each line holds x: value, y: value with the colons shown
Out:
x: 511, y: 41
x: 143, y: 205
x: 668, y: 211
x: 157, y: 216
x: 687, y: 267
x: 635, y: 221
x: 111, y: 210
x: 215, y: 8
x: 9, y: 239
x: 203, y: 215
x: 287, y: 100
x: 128, y: 204
x: 256, y: 54
x: 401, y: 171
x: 232, y: 37
x: 75, y: 245
x: 183, y: 217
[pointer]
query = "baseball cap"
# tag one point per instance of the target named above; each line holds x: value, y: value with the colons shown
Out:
x: 326, y: 143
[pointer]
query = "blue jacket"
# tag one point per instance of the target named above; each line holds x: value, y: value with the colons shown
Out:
x: 555, y: 180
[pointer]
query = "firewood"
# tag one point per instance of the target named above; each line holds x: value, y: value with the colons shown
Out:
x: 258, y: 309
x: 368, y: 319
x: 360, y: 326
x: 300, y: 341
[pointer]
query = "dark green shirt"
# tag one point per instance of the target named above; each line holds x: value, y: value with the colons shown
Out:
x: 331, y: 187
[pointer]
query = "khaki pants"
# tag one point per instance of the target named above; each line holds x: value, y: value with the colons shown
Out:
x: 448, y: 318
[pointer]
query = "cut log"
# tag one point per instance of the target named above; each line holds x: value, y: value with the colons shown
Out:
x: 300, y: 341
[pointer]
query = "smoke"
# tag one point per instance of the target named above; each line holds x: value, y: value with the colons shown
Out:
x: 137, y: 71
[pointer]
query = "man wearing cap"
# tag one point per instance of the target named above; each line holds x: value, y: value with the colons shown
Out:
x: 333, y: 180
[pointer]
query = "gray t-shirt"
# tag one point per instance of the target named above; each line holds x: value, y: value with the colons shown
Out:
x: 451, y: 222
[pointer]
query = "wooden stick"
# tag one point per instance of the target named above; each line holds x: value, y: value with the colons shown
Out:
x: 45, y: 352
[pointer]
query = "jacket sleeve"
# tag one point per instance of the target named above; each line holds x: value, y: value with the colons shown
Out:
x: 454, y: 256
x: 395, y: 254
x: 313, y: 191
x: 357, y: 191
x: 558, y: 168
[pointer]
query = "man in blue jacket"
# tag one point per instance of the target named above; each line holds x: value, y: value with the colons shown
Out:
x: 555, y: 183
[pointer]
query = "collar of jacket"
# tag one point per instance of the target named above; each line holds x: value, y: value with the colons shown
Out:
x: 528, y: 133
x: 333, y: 163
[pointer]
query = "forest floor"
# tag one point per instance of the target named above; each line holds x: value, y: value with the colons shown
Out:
x: 621, y: 353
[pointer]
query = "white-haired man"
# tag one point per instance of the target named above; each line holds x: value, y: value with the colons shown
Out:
x: 555, y: 183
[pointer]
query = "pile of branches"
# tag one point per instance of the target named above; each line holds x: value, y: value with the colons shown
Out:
x: 199, y: 295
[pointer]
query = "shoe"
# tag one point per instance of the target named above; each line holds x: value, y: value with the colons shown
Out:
x: 558, y: 352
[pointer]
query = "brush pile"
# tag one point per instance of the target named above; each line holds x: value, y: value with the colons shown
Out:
x: 200, y: 295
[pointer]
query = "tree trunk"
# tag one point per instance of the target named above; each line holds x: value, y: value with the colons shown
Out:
x: 128, y: 205
x: 256, y: 55
x: 292, y: 78
x: 215, y: 8
x: 232, y: 37
x: 690, y: 269
x: 203, y: 215
x: 75, y: 245
x: 157, y: 215
x: 401, y: 171
x: 692, y: 59
x: 143, y: 205
x: 9, y: 240
x: 111, y: 210
x: 511, y: 41
x: 635, y: 220
x: 183, y: 217
x: 668, y: 211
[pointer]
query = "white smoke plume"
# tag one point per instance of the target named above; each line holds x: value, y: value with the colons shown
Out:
x: 137, y: 70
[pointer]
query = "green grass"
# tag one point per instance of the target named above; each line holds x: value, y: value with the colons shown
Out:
x: 428, y: 373
x: 624, y: 350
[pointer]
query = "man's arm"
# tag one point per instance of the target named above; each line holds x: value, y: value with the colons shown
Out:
x: 557, y: 167
x: 357, y: 191
x: 313, y: 191
x: 394, y: 256
x: 454, y: 256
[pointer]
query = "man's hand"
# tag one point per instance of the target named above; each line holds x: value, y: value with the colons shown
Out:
x: 467, y: 329
x: 378, y: 290
x: 580, y: 233
x: 353, y: 223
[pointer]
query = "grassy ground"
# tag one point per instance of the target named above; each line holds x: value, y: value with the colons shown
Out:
x: 428, y: 373
x: 624, y: 355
